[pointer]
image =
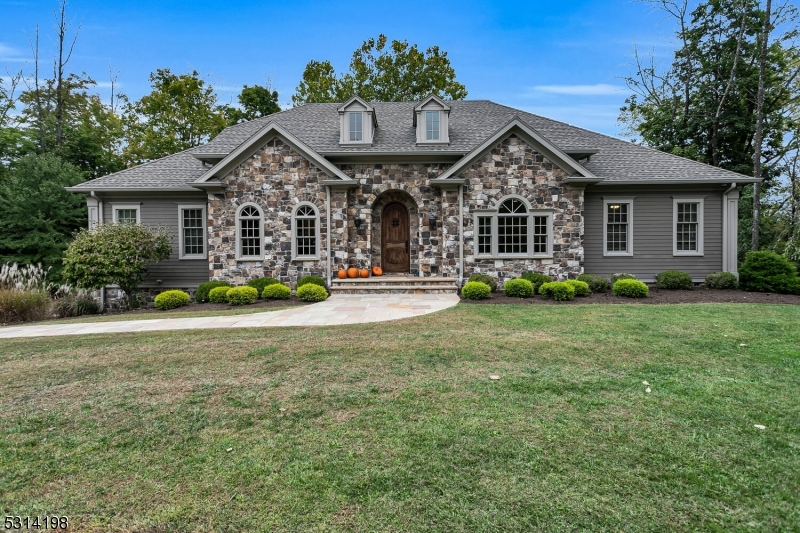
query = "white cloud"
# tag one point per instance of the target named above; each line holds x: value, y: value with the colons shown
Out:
x: 8, y: 53
x: 598, y: 89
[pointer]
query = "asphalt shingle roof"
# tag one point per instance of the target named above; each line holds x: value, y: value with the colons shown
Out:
x: 173, y: 171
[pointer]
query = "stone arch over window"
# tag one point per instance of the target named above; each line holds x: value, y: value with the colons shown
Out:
x: 305, y: 231
x: 249, y: 232
x: 513, y: 230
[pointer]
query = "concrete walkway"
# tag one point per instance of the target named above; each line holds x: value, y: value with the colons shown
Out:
x: 337, y: 309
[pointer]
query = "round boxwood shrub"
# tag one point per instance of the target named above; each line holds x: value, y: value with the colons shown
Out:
x: 518, y: 288
x: 596, y: 283
x: 171, y: 299
x: 259, y: 283
x: 581, y: 287
x: 557, y: 290
x: 630, y: 288
x: 766, y: 271
x: 276, y: 291
x: 485, y: 278
x: 620, y: 275
x: 476, y: 290
x: 242, y: 295
x: 311, y: 292
x: 315, y: 280
x: 722, y: 280
x: 218, y: 295
x: 202, y: 292
x: 674, y: 280
x: 536, y: 279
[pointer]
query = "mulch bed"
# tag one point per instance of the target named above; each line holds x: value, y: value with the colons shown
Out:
x: 695, y: 296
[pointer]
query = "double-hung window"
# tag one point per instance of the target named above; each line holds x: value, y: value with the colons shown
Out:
x: 514, y: 230
x: 431, y: 125
x: 618, y: 223
x: 249, y: 232
x: 687, y: 226
x: 305, y: 232
x: 356, y: 126
x: 126, y: 213
x: 191, y: 231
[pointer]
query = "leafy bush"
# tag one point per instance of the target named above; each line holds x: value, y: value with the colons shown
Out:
x: 536, y: 279
x: 259, y: 283
x: 674, y: 280
x: 219, y: 295
x: 75, y: 302
x: 630, y: 288
x: 316, y: 280
x: 722, y: 280
x: 241, y: 295
x: 276, y: 291
x: 557, y: 290
x: 23, y: 305
x: 766, y: 271
x: 486, y: 279
x: 518, y: 288
x: 171, y: 299
x: 201, y: 294
x: 596, y: 283
x: 476, y: 290
x: 311, y: 292
x: 581, y: 287
x: 616, y: 277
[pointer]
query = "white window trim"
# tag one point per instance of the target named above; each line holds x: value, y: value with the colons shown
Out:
x: 316, y: 256
x: 444, y: 130
x: 181, y: 254
x: 239, y: 256
x: 700, y: 230
x: 137, y: 207
x: 618, y: 200
x: 494, y: 215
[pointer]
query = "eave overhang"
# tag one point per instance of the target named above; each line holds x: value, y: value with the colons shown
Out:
x: 86, y: 190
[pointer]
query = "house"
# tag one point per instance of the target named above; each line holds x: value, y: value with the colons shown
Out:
x: 431, y: 189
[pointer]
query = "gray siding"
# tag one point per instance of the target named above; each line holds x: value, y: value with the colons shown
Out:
x: 652, y: 232
x: 162, y: 209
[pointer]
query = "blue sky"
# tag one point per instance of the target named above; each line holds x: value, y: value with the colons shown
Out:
x: 560, y: 59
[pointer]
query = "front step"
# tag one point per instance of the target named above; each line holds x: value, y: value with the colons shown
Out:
x: 394, y: 285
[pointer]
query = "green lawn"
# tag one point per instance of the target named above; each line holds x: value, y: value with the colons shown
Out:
x: 154, y: 315
x: 397, y: 426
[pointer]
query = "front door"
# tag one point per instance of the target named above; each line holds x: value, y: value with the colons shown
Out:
x: 395, y: 234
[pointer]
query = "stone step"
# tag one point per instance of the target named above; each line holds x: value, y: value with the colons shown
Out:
x: 394, y: 285
x: 390, y: 280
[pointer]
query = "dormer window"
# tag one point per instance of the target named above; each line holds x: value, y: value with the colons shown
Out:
x: 431, y: 120
x: 431, y: 125
x: 356, y: 126
x: 357, y: 122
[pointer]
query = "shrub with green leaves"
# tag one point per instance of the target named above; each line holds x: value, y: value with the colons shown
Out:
x: 766, y: 271
x: 259, y: 283
x: 23, y: 305
x: 311, y: 292
x: 630, y: 288
x: 201, y: 295
x: 171, y: 299
x: 276, y: 291
x: 722, y: 280
x: 316, y: 280
x: 484, y: 278
x: 674, y: 280
x: 581, y: 287
x: 476, y: 290
x: 74, y: 302
x: 518, y: 288
x: 219, y: 295
x: 241, y: 295
x: 536, y: 279
x: 596, y: 283
x: 616, y: 277
x: 557, y: 290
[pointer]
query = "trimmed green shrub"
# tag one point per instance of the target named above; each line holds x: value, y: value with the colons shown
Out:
x: 241, y: 295
x: 557, y: 290
x: 630, y: 288
x: 23, y: 305
x: 536, y: 279
x: 518, y: 288
x: 674, y: 280
x: 259, y: 283
x: 476, y: 290
x: 722, y: 280
x: 218, y: 295
x: 616, y: 277
x: 581, y: 287
x: 766, y: 271
x: 171, y: 299
x: 311, y: 292
x: 316, y: 280
x: 75, y: 302
x: 201, y: 294
x: 484, y: 278
x: 276, y: 291
x: 596, y: 283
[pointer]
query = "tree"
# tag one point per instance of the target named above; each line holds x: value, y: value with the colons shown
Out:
x: 115, y: 254
x: 393, y: 73
x: 181, y: 112
x: 255, y: 102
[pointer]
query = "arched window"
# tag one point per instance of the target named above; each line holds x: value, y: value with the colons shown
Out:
x: 512, y: 227
x: 305, y: 232
x: 514, y: 230
x: 249, y: 229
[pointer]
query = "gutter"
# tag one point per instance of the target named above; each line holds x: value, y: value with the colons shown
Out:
x: 86, y: 190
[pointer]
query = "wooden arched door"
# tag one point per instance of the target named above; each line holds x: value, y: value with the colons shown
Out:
x: 395, y: 238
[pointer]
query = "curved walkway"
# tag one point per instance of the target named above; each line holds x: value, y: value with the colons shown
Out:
x: 338, y: 309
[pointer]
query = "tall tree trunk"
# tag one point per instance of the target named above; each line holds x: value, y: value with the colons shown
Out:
x: 63, y: 27
x: 762, y: 65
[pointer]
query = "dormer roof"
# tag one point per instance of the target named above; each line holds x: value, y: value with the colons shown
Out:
x: 356, y: 103
x: 425, y: 103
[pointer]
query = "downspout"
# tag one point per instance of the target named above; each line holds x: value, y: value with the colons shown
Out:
x: 729, y: 189
x: 328, y: 232
x: 460, y: 236
x: 726, y: 229
x: 100, y: 221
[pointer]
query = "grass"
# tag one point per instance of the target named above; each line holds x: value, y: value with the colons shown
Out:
x: 157, y: 315
x: 396, y: 427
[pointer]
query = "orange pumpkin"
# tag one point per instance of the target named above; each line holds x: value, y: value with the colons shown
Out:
x: 364, y: 273
x: 342, y: 273
x: 377, y: 271
x: 352, y: 272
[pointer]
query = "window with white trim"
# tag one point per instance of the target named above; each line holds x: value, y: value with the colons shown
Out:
x: 126, y: 213
x: 305, y: 232
x: 191, y: 231
x: 431, y: 125
x: 687, y: 226
x: 618, y: 215
x: 249, y: 230
x: 356, y: 126
x: 514, y: 230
